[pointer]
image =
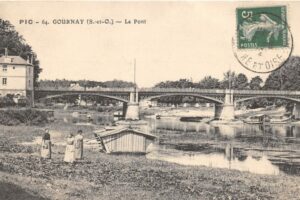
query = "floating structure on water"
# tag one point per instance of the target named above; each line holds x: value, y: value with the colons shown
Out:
x: 196, y: 119
x: 266, y: 119
x: 124, y: 140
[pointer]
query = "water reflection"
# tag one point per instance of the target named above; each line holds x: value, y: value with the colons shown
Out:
x: 258, y: 165
x: 245, y: 132
x: 96, y: 119
x: 283, y: 137
x: 278, y: 136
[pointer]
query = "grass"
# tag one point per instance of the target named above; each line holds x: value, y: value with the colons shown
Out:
x: 103, y: 176
x: 128, y: 177
x: 10, y: 191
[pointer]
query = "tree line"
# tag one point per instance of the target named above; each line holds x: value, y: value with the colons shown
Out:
x: 231, y: 80
x: 85, y: 83
x: 285, y: 78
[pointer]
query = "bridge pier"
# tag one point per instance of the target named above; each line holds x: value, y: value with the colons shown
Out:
x: 296, y: 110
x: 132, y: 111
x: 225, y: 111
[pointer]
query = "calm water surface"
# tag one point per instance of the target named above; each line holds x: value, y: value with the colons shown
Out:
x: 258, y: 165
x: 284, y: 136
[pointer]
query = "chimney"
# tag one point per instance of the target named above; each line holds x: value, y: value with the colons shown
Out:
x: 6, y: 52
x: 31, y: 62
x: 28, y: 60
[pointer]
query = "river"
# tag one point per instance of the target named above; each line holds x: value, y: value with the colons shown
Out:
x: 272, y: 149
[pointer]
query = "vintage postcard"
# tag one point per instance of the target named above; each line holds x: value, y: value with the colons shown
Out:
x: 149, y: 100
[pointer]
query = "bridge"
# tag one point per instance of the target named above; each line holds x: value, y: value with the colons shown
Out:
x: 224, y: 99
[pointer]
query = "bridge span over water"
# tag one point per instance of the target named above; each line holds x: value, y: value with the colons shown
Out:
x: 224, y: 99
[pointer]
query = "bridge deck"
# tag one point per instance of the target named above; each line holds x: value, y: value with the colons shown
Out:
x: 175, y: 90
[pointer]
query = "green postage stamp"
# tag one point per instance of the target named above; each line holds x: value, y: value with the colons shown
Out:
x: 263, y: 27
x: 263, y: 40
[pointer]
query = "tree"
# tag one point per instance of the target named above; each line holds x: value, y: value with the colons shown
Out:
x: 118, y: 84
x: 181, y: 83
x: 229, y: 80
x: 241, y: 81
x: 16, y: 45
x: 285, y: 78
x: 255, y: 83
x: 274, y: 81
x: 184, y: 83
x: 208, y: 82
x: 162, y: 84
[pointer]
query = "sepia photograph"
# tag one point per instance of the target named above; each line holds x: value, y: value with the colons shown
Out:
x: 141, y: 100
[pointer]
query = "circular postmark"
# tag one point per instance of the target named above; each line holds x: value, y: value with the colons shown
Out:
x: 263, y: 41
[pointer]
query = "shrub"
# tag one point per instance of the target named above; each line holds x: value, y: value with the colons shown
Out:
x: 12, y: 117
x: 6, y: 101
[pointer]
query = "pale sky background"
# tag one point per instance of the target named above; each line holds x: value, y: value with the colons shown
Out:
x: 180, y: 39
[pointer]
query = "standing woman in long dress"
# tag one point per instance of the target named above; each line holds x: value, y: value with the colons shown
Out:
x: 69, y: 154
x: 46, y: 145
x: 79, y: 145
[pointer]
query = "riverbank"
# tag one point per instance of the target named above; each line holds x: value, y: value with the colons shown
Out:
x: 125, y: 177
x: 208, y: 111
x: 179, y: 111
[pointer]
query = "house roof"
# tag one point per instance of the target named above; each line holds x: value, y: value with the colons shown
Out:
x: 106, y: 133
x: 16, y: 60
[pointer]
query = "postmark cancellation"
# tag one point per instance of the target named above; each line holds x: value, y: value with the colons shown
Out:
x: 263, y: 40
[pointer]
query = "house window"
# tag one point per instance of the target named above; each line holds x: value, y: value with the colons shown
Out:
x: 4, y: 81
x: 14, y: 67
x: 4, y: 68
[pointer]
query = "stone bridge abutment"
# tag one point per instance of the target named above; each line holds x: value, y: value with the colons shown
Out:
x: 225, y: 111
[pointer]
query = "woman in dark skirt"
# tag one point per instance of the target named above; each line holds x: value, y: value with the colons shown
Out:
x: 46, y: 145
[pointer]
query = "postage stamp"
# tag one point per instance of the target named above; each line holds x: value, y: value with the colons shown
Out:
x: 263, y: 40
x: 262, y: 27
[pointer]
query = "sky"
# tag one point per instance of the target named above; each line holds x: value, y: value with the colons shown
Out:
x: 179, y: 39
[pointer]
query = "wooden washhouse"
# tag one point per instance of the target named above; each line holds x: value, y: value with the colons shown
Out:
x: 125, y: 140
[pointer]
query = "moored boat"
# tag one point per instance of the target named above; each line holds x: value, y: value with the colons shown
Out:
x: 280, y: 119
x: 191, y: 119
x: 266, y: 119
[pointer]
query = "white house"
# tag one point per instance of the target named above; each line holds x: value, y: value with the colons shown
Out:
x: 16, y: 76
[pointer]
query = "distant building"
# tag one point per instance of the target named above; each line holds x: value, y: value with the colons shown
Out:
x: 16, y: 76
x: 76, y: 86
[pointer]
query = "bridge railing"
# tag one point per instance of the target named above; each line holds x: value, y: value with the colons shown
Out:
x: 100, y: 89
x: 185, y: 90
x: 168, y: 90
x: 267, y: 92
